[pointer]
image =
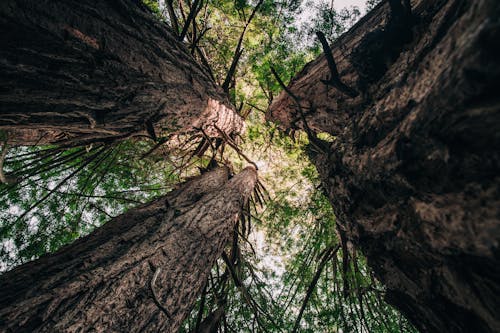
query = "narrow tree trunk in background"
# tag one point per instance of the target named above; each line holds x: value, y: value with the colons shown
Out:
x: 413, y: 173
x: 99, y: 70
x: 106, y: 282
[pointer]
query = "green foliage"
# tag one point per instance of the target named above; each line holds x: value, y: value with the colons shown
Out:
x: 63, y: 194
x: 331, y: 21
x: 154, y: 6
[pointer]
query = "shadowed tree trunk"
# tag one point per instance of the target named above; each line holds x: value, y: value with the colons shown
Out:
x: 413, y: 169
x: 86, y: 71
x: 140, y: 272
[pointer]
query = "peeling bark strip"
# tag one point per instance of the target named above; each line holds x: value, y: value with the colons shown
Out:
x: 127, y: 275
x: 413, y: 174
x: 99, y: 70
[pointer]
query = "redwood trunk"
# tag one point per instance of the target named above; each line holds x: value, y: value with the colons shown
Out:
x: 107, y: 281
x: 98, y: 71
x: 413, y: 171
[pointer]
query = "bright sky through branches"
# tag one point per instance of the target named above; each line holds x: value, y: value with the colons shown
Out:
x: 339, y: 4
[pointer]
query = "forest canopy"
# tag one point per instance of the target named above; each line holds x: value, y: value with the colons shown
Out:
x: 288, y: 265
x: 288, y: 258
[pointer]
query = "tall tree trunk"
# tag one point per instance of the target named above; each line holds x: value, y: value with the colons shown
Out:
x: 140, y: 272
x: 99, y: 70
x: 413, y: 170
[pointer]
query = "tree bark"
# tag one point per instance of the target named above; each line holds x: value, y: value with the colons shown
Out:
x: 87, y: 71
x: 140, y: 272
x: 413, y: 169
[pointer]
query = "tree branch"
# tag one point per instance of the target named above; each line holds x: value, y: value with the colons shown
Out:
x: 155, y: 296
x: 173, y: 18
x: 326, y: 256
x: 199, y: 316
x: 192, y: 14
x: 310, y: 134
x: 238, y: 51
x: 233, y: 145
x: 334, y: 73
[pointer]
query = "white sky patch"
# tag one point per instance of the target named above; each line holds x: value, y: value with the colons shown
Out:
x: 15, y: 210
x: 262, y: 165
x: 33, y: 224
x: 10, y: 248
x: 339, y: 4
x: 271, y: 261
x: 267, y: 260
x: 309, y: 9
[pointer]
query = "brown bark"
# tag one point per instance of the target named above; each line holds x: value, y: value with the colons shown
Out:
x: 413, y: 172
x: 140, y: 272
x: 98, y: 71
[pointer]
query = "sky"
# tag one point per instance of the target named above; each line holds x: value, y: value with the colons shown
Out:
x: 339, y: 4
x: 309, y: 11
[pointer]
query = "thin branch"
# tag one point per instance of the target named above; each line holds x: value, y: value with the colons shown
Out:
x: 201, y: 148
x: 196, y: 41
x: 294, y: 97
x: 80, y: 195
x: 194, y: 38
x: 334, y: 80
x: 310, y: 135
x: 209, y: 140
x: 160, y: 142
x: 202, y: 306
x: 205, y: 62
x: 155, y: 296
x: 60, y: 158
x: 246, y: 295
x: 327, y: 255
x: 22, y: 175
x: 36, y: 152
x: 181, y: 8
x: 230, y: 266
x: 192, y: 14
x: 345, y: 260
x: 233, y: 145
x: 238, y: 51
x: 359, y: 291
x: 84, y: 164
x: 256, y: 107
x: 232, y: 69
x: 173, y: 18
x: 100, y: 209
x: 194, y: 31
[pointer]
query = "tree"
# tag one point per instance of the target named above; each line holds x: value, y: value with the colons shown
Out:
x: 411, y: 165
x: 95, y: 74
x: 79, y: 72
x: 86, y: 77
x: 142, y: 271
x: 326, y: 285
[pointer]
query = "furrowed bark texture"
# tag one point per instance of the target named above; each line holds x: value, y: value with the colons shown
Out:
x: 413, y: 171
x: 86, y: 71
x: 106, y: 281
